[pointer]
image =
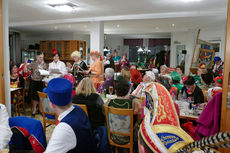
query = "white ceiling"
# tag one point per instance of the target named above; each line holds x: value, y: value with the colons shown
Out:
x: 132, y: 16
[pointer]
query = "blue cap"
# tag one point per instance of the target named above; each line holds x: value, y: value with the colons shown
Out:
x: 29, y: 61
x: 217, y: 58
x: 60, y: 91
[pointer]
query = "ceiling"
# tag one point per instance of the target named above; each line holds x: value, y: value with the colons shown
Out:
x: 119, y: 16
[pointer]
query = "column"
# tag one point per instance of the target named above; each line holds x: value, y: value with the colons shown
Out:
x: 6, y: 56
x: 97, y: 36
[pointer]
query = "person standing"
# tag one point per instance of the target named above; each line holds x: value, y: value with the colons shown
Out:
x: 116, y: 58
x: 218, y: 67
x: 109, y: 62
x: 73, y: 134
x: 78, y: 67
x: 36, y: 83
x: 57, y: 65
x: 96, y: 69
x: 124, y: 62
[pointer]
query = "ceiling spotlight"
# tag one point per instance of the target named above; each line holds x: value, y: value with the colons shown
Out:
x: 56, y: 2
x: 55, y: 27
x: 173, y: 25
x: 157, y: 28
x: 64, y: 7
x: 118, y: 26
x: 69, y: 26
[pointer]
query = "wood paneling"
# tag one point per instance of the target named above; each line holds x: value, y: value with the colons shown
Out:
x: 225, y: 113
x: 2, y: 85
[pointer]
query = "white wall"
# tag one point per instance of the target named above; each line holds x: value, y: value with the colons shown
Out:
x: 188, y: 39
x: 115, y: 42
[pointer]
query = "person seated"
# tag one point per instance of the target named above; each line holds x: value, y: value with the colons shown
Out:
x: 148, y: 79
x: 109, y: 80
x: 124, y: 102
x: 73, y: 133
x: 5, y: 132
x: 218, y: 68
x: 151, y: 64
x: 16, y: 80
x: 180, y: 70
x: 86, y: 94
x: 176, y: 78
x: 193, y: 91
x: 109, y: 62
x: 125, y: 72
x: 206, y: 80
x: 201, y: 70
x: 164, y: 71
x: 216, y: 89
x: 136, y: 77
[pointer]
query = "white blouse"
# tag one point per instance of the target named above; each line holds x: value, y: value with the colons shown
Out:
x: 5, y: 132
x: 60, y: 66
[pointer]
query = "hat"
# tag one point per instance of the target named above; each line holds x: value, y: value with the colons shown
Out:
x: 217, y: 58
x: 160, y: 128
x: 96, y: 53
x: 219, y: 80
x: 151, y: 75
x: 76, y: 53
x: 54, y: 51
x: 175, y: 76
x: 60, y: 91
x: 207, y: 78
x: 184, y: 78
x: 202, y: 66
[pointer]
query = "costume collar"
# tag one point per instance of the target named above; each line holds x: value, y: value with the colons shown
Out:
x: 66, y: 112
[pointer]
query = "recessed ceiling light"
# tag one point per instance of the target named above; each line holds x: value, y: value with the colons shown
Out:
x: 55, y: 27
x: 187, y: 1
x: 85, y: 26
x: 69, y: 26
x: 64, y: 7
x: 173, y: 25
x: 56, y: 2
x: 118, y: 26
x: 157, y: 28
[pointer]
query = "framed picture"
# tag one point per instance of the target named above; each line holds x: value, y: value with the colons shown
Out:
x: 205, y: 56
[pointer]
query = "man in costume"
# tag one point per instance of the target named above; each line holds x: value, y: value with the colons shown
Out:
x: 218, y: 67
x: 73, y: 133
x: 148, y: 79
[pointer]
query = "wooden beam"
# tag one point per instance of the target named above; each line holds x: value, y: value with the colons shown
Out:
x: 225, y: 112
x: 2, y: 74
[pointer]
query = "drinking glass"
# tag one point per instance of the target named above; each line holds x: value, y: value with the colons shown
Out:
x: 110, y: 90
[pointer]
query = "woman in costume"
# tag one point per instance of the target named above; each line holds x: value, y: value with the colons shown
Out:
x: 124, y: 61
x: 96, y: 69
x: 78, y: 67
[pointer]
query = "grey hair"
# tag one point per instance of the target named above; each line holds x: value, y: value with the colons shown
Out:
x: 109, y: 71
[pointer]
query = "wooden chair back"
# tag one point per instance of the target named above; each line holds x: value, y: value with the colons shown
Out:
x: 46, y: 110
x: 124, y: 128
x: 84, y: 107
x: 205, y: 92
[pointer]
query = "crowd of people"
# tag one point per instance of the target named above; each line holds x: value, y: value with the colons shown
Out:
x: 74, y: 133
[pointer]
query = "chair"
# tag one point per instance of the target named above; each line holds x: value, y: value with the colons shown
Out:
x: 25, y: 91
x: 49, y: 117
x: 120, y: 122
x: 205, y: 92
x: 84, y: 107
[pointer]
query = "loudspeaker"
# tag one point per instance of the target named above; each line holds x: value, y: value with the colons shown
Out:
x: 184, y: 51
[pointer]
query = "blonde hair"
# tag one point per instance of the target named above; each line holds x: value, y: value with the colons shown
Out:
x: 85, y: 87
x: 164, y: 67
x: 126, y: 73
x: 76, y: 53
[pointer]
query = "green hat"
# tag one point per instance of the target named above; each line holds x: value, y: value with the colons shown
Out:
x: 175, y: 76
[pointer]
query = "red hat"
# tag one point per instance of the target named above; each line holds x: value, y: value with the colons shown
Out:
x: 219, y: 80
x: 202, y: 66
x: 54, y: 51
x: 115, y: 50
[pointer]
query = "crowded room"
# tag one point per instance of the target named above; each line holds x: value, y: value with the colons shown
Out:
x: 97, y: 76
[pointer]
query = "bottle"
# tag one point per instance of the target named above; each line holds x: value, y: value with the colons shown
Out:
x: 173, y: 96
x: 180, y: 96
x: 104, y: 91
x: 184, y: 95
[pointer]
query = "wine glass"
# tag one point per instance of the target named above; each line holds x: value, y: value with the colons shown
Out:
x: 110, y: 90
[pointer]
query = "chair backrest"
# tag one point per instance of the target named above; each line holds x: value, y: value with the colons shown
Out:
x: 119, y: 121
x: 26, y: 83
x: 45, y: 106
x: 205, y: 92
x: 84, y: 107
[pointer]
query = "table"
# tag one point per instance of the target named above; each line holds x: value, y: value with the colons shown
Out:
x: 14, y: 89
x: 189, y: 117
